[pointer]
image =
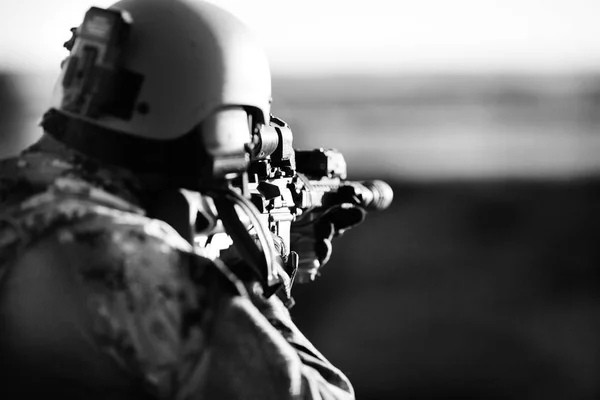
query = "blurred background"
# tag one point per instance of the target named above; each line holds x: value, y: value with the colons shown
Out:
x: 482, y: 280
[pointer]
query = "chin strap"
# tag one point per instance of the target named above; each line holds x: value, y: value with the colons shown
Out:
x: 263, y: 258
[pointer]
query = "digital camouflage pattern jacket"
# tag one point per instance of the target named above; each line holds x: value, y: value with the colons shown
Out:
x: 99, y: 301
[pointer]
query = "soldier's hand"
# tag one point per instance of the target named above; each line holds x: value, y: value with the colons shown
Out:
x: 312, y: 237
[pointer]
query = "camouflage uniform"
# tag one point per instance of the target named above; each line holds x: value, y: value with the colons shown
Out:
x: 97, y: 300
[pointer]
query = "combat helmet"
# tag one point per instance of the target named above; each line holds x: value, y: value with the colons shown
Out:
x: 173, y: 87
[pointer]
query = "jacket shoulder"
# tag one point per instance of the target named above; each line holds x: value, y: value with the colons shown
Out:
x: 97, y: 227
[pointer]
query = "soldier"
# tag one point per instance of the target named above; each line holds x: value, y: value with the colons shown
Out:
x: 101, y: 299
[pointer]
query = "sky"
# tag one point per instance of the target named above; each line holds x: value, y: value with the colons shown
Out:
x: 350, y: 36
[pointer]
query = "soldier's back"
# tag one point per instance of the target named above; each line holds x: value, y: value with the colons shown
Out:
x: 96, y: 299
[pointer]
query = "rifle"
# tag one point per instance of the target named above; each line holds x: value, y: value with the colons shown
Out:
x: 287, y: 187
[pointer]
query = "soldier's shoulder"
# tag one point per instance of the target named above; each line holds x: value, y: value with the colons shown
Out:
x: 83, y: 212
x: 76, y: 213
x: 90, y: 226
x: 101, y: 240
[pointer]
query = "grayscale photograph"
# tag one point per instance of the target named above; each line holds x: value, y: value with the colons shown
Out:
x: 299, y: 200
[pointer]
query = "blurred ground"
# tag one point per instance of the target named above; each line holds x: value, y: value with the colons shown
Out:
x: 482, y: 280
x: 466, y: 290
